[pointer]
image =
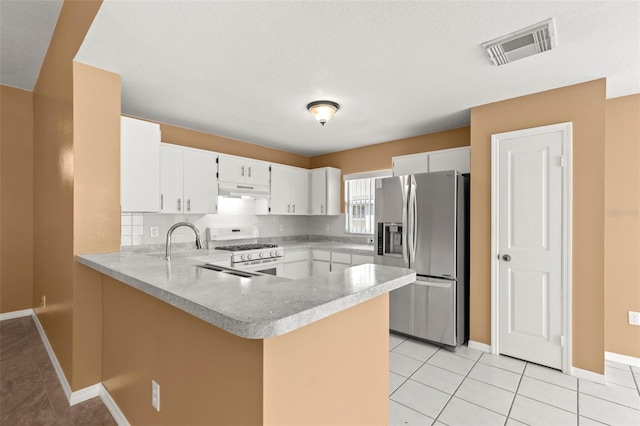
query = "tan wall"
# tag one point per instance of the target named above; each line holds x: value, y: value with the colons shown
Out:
x: 54, y: 181
x: 622, y: 225
x: 16, y: 199
x: 584, y: 105
x: 206, y: 375
x: 192, y: 138
x: 96, y: 207
x: 331, y: 372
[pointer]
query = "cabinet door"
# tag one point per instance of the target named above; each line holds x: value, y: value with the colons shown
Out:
x: 318, y: 192
x: 296, y: 270
x: 339, y: 266
x: 232, y: 169
x: 334, y: 185
x: 410, y: 164
x: 257, y: 172
x: 280, y: 190
x: 139, y: 165
x: 453, y: 159
x: 299, y: 191
x: 320, y: 268
x: 200, y: 182
x: 171, y: 179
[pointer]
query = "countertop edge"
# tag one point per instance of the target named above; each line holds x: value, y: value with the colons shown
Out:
x: 253, y: 330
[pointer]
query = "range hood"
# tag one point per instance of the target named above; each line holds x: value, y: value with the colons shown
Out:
x: 243, y: 190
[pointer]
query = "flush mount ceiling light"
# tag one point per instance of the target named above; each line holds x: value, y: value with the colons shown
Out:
x: 323, y: 110
x: 528, y: 41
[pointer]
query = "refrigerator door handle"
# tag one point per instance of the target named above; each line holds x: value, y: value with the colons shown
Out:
x: 413, y: 219
x: 405, y: 223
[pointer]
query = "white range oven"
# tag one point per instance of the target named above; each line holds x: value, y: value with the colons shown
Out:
x: 262, y: 258
x: 246, y: 253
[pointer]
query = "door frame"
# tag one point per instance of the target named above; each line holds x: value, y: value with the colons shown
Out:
x: 566, y: 250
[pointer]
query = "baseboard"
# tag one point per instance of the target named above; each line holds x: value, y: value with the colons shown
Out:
x: 73, y: 397
x: 622, y: 359
x: 588, y: 375
x: 113, y: 408
x: 16, y: 314
x: 479, y: 346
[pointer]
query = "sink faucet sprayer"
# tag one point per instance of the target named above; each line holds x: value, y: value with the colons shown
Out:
x: 199, y: 244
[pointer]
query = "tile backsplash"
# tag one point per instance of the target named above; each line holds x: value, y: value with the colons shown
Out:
x: 151, y: 228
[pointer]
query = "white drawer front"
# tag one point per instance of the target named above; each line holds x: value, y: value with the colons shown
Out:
x: 294, y: 256
x: 321, y: 255
x: 358, y: 259
x: 341, y: 258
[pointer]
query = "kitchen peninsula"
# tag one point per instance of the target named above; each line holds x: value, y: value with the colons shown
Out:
x: 259, y: 350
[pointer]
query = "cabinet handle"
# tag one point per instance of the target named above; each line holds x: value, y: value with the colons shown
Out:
x: 294, y: 208
x: 189, y: 205
x: 161, y: 201
x: 249, y: 171
x: 179, y: 204
x: 242, y: 173
x: 288, y: 208
x: 321, y: 208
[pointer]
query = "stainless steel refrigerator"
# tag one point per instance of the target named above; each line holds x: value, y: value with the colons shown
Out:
x: 422, y: 224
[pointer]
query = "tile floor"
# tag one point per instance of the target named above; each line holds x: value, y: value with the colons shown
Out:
x: 30, y: 393
x: 432, y: 386
x: 427, y: 385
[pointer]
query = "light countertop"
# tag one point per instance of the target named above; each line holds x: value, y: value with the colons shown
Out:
x: 255, y: 308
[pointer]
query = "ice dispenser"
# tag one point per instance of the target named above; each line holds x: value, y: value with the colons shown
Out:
x: 390, y: 239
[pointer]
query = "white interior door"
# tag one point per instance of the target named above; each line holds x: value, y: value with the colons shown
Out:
x: 528, y: 243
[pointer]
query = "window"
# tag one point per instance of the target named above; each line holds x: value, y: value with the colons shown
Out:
x: 360, y: 191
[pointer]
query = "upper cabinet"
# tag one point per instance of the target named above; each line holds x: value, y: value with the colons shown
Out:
x: 139, y: 165
x: 243, y: 170
x: 435, y: 161
x: 289, y: 190
x: 188, y: 181
x: 325, y: 191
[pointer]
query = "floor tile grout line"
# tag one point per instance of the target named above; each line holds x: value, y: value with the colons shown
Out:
x: 633, y: 376
x: 456, y: 390
x: 412, y: 409
x: 515, y: 394
x: 578, y: 399
x: 423, y: 363
x: 609, y: 401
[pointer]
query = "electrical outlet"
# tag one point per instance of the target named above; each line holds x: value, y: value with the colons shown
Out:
x: 43, y: 301
x: 153, y: 231
x: 634, y: 318
x: 155, y: 395
x: 281, y: 228
x: 326, y: 227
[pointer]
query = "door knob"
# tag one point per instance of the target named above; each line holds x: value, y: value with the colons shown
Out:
x: 506, y: 257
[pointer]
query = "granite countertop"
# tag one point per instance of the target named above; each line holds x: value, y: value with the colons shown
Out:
x: 254, y: 308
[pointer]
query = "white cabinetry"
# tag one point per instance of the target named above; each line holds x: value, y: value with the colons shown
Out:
x: 289, y: 190
x: 243, y: 170
x: 410, y: 164
x: 139, y: 165
x: 187, y: 180
x: 320, y: 262
x: 325, y: 191
x: 296, y: 264
x: 324, y: 261
x: 435, y: 161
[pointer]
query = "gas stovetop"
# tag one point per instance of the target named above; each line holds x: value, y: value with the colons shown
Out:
x: 253, y: 253
x: 244, y: 247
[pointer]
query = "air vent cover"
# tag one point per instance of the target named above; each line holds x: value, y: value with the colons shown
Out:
x: 529, y: 41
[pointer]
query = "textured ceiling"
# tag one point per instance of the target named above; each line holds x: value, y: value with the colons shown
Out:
x: 25, y: 31
x: 247, y: 70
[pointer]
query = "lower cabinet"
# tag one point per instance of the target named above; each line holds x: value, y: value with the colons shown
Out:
x: 324, y: 261
x: 296, y: 264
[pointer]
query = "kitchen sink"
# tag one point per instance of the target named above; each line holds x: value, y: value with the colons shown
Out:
x: 230, y: 271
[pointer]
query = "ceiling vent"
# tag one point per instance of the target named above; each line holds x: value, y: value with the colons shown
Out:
x: 529, y: 41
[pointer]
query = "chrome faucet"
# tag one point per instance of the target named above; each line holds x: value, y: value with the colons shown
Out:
x: 199, y: 244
